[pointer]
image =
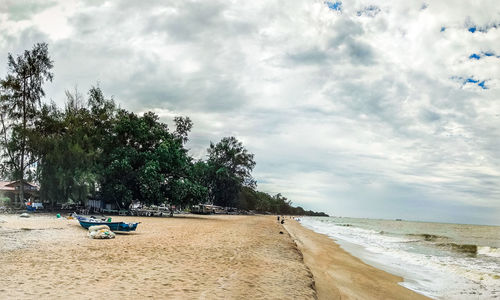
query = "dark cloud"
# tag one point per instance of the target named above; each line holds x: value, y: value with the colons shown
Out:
x: 360, y: 53
x: 369, y: 11
x: 309, y: 56
x: 344, y: 31
x: 24, y: 10
x: 429, y: 116
x: 191, y: 21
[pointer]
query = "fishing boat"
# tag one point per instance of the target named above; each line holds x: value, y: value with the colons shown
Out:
x: 113, y: 226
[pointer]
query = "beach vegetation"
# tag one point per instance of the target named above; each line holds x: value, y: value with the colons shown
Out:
x: 69, y: 145
x: 20, y: 103
x: 4, y: 201
x: 229, y: 169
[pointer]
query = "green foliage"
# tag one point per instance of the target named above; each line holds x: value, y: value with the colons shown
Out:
x: 69, y: 147
x: 250, y: 199
x: 4, y: 201
x: 143, y: 161
x: 229, y: 169
x: 183, y: 126
x: 20, y: 101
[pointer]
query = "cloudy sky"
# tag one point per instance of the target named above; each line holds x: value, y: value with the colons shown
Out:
x: 365, y: 108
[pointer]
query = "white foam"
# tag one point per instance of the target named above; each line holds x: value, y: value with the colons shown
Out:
x: 489, y: 251
x: 442, y: 277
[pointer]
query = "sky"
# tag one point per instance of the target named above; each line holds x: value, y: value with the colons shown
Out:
x: 364, y: 108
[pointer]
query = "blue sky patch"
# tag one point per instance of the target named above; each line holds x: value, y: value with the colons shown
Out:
x: 481, y: 84
x: 334, y: 5
x: 482, y: 54
x: 470, y: 80
x: 483, y: 29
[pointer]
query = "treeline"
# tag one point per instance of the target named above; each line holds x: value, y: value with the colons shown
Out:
x: 252, y: 199
x: 93, y: 149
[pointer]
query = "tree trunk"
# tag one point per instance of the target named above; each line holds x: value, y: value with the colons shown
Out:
x: 23, y: 144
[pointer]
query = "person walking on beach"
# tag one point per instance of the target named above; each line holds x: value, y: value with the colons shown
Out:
x: 278, y: 218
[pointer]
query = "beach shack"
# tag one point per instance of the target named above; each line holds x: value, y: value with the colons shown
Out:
x: 94, y: 205
x: 207, y: 209
x: 12, y: 190
x: 100, y: 206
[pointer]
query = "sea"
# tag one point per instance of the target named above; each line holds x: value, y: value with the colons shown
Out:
x: 439, y: 260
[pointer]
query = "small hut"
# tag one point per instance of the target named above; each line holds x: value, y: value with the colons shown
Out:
x: 12, y: 190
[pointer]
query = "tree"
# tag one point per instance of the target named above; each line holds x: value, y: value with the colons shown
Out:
x: 247, y: 199
x: 183, y: 126
x: 230, y: 167
x: 22, y: 91
x: 70, y: 145
x: 74, y: 101
x: 143, y: 161
x: 283, y: 205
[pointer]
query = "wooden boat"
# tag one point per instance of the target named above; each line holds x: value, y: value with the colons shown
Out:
x: 113, y: 226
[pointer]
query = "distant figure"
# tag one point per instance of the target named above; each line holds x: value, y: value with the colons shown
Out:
x: 282, y: 221
x: 278, y: 218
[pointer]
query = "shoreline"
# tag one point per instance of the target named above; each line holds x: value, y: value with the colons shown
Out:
x: 340, y: 275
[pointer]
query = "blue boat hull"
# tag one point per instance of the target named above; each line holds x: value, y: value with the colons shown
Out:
x: 113, y: 226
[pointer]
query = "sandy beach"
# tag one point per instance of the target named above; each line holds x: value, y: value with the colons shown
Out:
x: 185, y: 257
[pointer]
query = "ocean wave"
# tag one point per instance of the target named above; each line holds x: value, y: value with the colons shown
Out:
x: 344, y: 225
x: 429, y: 237
x: 468, y: 249
x: 438, y: 266
x: 488, y: 251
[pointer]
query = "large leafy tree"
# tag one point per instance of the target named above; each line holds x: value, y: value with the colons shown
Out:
x: 21, y: 94
x: 70, y: 146
x: 143, y: 161
x: 230, y: 166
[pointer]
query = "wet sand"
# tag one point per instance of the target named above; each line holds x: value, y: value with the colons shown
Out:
x: 184, y: 257
x: 339, y: 275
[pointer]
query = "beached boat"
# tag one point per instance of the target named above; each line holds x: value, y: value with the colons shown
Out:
x: 113, y: 226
